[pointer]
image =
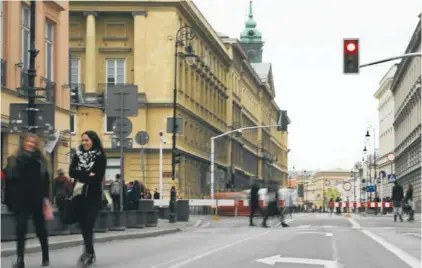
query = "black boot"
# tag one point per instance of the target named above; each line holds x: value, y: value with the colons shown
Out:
x: 19, y: 263
x: 395, y: 217
x: 45, y: 259
x: 401, y: 218
x: 285, y: 224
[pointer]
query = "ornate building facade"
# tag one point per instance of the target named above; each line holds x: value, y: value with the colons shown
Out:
x: 406, y: 88
x: 119, y: 43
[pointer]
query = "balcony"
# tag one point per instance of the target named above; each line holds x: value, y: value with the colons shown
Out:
x: 50, y: 89
x: 3, y: 73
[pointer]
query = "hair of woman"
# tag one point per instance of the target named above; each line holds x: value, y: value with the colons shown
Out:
x: 43, y: 157
x: 96, y: 141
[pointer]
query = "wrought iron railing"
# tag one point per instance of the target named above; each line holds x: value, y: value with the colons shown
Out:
x: 3, y: 73
x: 45, y: 91
x: 50, y: 89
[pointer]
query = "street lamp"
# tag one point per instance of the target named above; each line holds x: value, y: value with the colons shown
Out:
x: 183, y: 38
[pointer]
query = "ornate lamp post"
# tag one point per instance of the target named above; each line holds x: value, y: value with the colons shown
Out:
x: 184, y: 36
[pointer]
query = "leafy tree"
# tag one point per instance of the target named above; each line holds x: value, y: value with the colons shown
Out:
x: 332, y: 193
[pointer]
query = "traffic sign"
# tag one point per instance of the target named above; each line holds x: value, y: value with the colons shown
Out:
x: 382, y: 174
x: 142, y: 138
x: 129, y: 93
x: 392, y: 178
x: 347, y: 186
x: 127, y: 142
x: 391, y: 157
x: 44, y: 118
x: 122, y: 127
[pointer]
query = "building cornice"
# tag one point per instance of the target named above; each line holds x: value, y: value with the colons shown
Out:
x: 402, y: 67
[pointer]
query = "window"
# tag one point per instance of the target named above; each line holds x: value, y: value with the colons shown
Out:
x: 25, y: 35
x: 75, y: 71
x: 49, y: 51
x: 115, y: 75
x: 72, y: 124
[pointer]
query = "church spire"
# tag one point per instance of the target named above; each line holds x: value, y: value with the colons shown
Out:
x: 251, y: 38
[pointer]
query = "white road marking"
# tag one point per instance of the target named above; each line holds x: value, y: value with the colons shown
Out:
x: 303, y: 226
x: 355, y: 224
x: 326, y: 234
x: 278, y: 259
x: 413, y: 234
x: 200, y: 256
x: 401, y: 254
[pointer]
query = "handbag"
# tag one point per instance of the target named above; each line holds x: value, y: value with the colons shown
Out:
x: 69, y: 212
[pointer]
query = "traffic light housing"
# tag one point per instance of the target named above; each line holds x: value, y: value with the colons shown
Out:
x: 74, y: 94
x: 176, y: 157
x: 283, y: 121
x: 351, y: 56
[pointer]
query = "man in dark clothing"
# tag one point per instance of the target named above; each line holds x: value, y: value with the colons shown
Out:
x: 254, y: 203
x: 115, y: 192
x: 156, y: 194
x: 62, y: 188
x: 273, y: 208
x: 397, y: 198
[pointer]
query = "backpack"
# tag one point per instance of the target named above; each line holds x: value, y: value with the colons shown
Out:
x: 115, y: 188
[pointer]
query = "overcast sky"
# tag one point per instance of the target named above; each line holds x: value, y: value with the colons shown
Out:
x: 303, y: 41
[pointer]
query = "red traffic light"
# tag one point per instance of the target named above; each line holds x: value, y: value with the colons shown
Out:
x: 350, y: 46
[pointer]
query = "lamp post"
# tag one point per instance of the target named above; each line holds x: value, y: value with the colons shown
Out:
x: 367, y: 137
x: 183, y: 38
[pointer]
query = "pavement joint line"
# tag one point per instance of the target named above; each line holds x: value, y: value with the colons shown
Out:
x: 401, y: 254
x: 200, y: 256
x: 57, y: 245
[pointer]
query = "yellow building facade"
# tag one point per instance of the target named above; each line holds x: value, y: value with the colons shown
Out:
x: 51, y: 66
x: 323, y: 180
x: 133, y: 43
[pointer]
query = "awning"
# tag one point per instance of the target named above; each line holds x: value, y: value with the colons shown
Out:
x: 51, y: 144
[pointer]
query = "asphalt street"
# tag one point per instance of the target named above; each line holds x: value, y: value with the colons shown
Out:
x: 313, y: 240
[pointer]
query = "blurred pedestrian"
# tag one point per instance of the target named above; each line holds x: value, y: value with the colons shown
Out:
x: 397, y: 198
x: 254, y: 202
x: 28, y: 192
x: 409, y: 202
x: 88, y: 169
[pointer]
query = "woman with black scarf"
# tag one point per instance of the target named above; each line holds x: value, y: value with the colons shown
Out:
x: 28, y: 190
x: 88, y: 169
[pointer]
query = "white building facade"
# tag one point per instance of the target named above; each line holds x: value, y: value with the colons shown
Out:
x: 406, y: 88
x: 386, y: 129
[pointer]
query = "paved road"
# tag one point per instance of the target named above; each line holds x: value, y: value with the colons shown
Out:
x: 333, y: 241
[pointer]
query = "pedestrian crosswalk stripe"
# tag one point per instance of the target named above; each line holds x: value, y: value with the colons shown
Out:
x: 328, y: 226
x: 303, y: 226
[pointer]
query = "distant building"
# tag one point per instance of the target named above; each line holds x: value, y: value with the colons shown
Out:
x: 386, y: 129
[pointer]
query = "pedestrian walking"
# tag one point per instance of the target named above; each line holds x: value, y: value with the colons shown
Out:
x: 115, y: 191
x: 409, y: 202
x: 28, y: 192
x: 273, y: 208
x: 254, y: 203
x: 397, y: 198
x: 88, y: 169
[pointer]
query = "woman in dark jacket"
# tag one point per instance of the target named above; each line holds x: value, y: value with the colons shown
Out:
x: 28, y: 190
x: 88, y: 169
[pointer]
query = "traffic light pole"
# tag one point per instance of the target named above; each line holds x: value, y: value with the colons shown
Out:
x: 32, y: 72
x: 239, y: 130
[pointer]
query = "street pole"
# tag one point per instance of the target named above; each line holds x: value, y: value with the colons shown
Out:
x: 183, y: 34
x: 161, y: 165
x: 32, y: 72
x: 239, y: 130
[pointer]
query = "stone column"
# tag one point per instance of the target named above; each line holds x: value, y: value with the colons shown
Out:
x: 140, y: 29
x: 90, y: 70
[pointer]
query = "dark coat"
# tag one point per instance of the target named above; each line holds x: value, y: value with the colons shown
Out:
x: 27, y: 183
x: 397, y: 194
x: 95, y: 190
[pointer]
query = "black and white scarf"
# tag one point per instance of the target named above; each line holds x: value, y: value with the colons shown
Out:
x: 86, y: 160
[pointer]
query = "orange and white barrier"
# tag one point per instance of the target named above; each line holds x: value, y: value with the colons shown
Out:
x: 363, y: 204
x: 263, y: 203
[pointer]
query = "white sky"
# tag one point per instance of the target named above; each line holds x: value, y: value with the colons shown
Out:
x: 303, y: 41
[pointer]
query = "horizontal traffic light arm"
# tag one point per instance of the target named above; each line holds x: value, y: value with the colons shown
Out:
x: 408, y: 55
x: 240, y: 130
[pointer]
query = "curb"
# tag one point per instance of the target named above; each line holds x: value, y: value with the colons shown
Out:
x: 79, y: 241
